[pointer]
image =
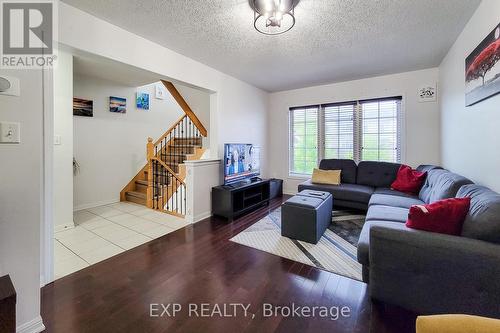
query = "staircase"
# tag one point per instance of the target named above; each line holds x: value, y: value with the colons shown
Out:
x: 160, y: 183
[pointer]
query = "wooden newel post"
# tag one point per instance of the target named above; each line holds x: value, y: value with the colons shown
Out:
x: 150, y: 155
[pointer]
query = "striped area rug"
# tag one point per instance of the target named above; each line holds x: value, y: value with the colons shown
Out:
x: 335, y: 252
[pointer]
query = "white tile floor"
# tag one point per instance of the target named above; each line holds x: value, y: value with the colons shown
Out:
x: 105, y: 231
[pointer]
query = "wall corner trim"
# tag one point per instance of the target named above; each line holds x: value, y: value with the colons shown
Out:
x: 33, y: 326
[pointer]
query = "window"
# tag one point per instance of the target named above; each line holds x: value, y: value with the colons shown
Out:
x: 381, y: 130
x: 339, y: 131
x: 368, y: 130
x: 303, y: 139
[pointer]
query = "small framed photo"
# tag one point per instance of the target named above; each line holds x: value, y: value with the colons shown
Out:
x: 427, y: 93
x: 83, y: 107
x: 117, y: 104
x: 142, y: 101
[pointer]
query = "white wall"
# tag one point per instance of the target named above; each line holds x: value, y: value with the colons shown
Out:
x: 21, y: 193
x: 111, y: 147
x: 241, y: 109
x: 421, y: 139
x: 63, y: 153
x: 470, y: 135
x: 199, y: 102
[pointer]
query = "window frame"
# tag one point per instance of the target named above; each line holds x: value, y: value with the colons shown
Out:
x: 357, y: 131
x: 291, y: 146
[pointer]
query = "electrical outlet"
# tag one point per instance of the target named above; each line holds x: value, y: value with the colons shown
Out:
x: 10, y: 132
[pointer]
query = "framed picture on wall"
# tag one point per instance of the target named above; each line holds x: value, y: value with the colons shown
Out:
x: 83, y: 107
x: 142, y: 101
x: 482, y: 69
x: 427, y: 93
x: 117, y: 104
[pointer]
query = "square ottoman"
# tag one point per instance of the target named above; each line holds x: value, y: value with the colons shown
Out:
x: 305, y: 217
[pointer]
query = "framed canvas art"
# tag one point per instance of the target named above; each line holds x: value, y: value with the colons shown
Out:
x: 427, y: 93
x: 83, y: 107
x: 482, y: 69
x: 142, y: 101
x: 117, y: 104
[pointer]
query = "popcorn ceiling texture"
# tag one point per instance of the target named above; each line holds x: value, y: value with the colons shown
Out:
x: 332, y: 41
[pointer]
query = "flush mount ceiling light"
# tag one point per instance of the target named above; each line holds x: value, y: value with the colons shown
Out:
x: 273, y: 17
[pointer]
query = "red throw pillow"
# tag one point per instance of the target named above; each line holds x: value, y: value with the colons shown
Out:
x: 444, y: 216
x: 409, y: 180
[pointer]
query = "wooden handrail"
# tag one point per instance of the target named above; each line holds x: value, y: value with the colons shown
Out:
x: 168, y: 169
x: 169, y: 130
x: 185, y: 107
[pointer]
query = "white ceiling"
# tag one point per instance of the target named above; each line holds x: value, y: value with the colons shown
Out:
x: 332, y: 41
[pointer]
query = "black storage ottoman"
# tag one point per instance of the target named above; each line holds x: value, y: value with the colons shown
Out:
x: 306, y: 216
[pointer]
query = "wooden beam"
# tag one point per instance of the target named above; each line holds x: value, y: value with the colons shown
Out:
x: 184, y: 106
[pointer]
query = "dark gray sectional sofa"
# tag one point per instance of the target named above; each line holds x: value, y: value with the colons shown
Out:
x: 424, y: 272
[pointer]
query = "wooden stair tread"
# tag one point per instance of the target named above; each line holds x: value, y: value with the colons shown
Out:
x: 137, y: 194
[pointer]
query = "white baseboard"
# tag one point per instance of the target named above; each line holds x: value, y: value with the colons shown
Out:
x: 62, y: 227
x: 95, y: 204
x: 33, y: 326
x: 202, y: 216
x: 199, y: 217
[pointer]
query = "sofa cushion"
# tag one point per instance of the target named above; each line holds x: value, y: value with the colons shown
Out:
x: 441, y: 184
x: 403, y: 201
x: 387, y: 213
x: 409, y: 180
x: 377, y: 174
x: 427, y: 167
x: 329, y: 177
x: 390, y: 191
x: 347, y: 192
x: 483, y: 220
x: 347, y: 167
x: 364, y: 238
x: 444, y: 216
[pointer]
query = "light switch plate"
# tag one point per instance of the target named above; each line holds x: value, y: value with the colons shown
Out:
x: 57, y: 140
x: 10, y: 132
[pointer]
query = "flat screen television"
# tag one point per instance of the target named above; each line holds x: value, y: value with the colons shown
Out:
x: 241, y: 162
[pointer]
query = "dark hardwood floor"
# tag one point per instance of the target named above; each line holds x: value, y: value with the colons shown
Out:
x: 198, y: 264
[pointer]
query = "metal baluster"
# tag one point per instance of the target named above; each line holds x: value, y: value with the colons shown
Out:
x: 169, y: 189
x: 163, y: 189
x: 155, y: 198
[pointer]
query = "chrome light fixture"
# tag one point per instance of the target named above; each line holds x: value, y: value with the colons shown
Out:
x: 273, y: 17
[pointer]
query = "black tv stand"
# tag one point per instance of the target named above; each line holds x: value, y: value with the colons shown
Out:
x: 234, y: 200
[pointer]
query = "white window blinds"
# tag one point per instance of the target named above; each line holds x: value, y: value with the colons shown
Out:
x: 339, y: 130
x: 380, y: 128
x: 303, y: 139
x: 358, y: 130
